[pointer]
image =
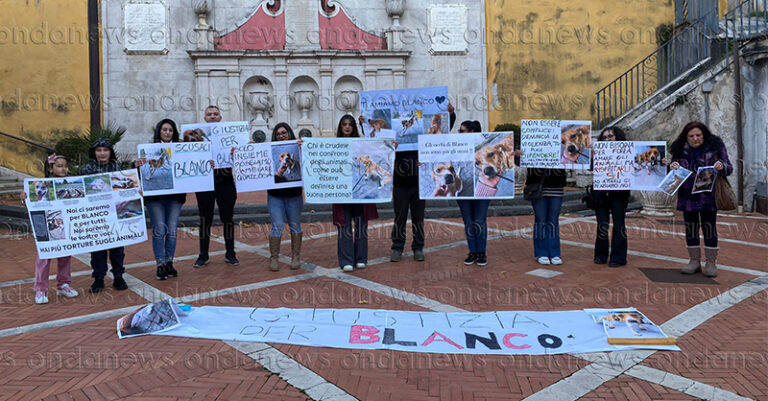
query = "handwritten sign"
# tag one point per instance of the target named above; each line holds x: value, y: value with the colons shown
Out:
x: 623, y: 165
x: 348, y: 170
x: 272, y: 165
x: 555, y: 144
x: 78, y: 214
x: 223, y: 137
x: 176, y: 168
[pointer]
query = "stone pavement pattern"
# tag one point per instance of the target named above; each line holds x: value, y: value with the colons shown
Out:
x: 68, y: 349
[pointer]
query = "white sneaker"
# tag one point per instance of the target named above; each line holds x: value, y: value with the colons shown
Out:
x: 348, y: 268
x: 67, y: 291
x: 360, y: 265
x: 543, y: 260
x: 41, y: 298
x: 556, y: 261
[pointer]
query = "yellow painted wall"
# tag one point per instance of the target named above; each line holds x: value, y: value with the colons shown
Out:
x: 44, y: 70
x: 546, y: 59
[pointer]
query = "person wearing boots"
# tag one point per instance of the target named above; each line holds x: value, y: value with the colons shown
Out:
x: 284, y: 206
x: 225, y: 194
x: 696, y: 147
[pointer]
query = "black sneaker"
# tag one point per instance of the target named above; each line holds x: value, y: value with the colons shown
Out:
x: 119, y: 283
x: 471, y: 258
x: 170, y: 271
x: 481, y: 260
x: 162, y: 274
x: 232, y: 260
x: 599, y: 261
x: 418, y: 255
x: 96, y: 287
x: 200, y: 262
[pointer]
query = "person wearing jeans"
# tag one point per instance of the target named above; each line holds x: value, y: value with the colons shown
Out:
x: 546, y: 210
x: 609, y: 203
x: 474, y: 213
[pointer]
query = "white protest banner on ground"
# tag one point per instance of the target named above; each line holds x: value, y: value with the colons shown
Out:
x: 624, y: 165
x: 494, y: 333
x: 348, y: 170
x: 271, y: 165
x: 176, y: 168
x: 555, y: 144
x: 469, y: 166
x: 79, y: 214
x: 404, y: 114
x: 223, y: 137
x: 674, y: 180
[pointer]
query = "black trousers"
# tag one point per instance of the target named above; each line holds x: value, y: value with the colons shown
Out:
x: 405, y: 198
x: 225, y: 196
x: 706, y: 220
x: 99, y: 262
x: 615, y: 205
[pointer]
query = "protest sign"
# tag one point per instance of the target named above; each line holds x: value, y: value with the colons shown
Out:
x: 705, y: 180
x: 271, y: 165
x: 674, y: 180
x: 469, y: 166
x: 176, y: 168
x: 79, y: 214
x: 404, y: 114
x: 628, y: 326
x: 555, y: 144
x: 150, y: 319
x: 222, y: 136
x: 490, y: 333
x: 348, y: 170
x: 624, y: 165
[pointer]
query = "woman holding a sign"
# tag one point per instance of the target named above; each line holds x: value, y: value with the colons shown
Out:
x: 609, y: 203
x: 352, y: 245
x: 697, y: 147
x: 474, y: 212
x: 544, y: 188
x: 164, y: 210
x: 284, y: 205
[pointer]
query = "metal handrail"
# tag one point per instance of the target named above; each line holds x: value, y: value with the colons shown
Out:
x: 28, y: 142
x: 755, y: 13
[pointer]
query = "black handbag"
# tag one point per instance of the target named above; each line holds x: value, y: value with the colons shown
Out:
x: 589, y: 198
x: 533, y: 191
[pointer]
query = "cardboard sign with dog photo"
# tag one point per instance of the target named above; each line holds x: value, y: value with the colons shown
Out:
x: 405, y: 114
x: 623, y: 165
x: 223, y: 137
x: 470, y: 166
x: 263, y: 166
x: 556, y: 144
x: 705, y: 180
x: 674, y: 180
x: 176, y: 168
x: 628, y: 326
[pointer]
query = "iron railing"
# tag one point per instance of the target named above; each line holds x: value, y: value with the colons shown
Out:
x: 744, y: 22
x: 46, y: 148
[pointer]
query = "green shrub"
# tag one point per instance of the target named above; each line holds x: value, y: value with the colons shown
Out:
x: 76, y: 146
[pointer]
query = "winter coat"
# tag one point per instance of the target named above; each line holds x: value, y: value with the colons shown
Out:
x: 710, y: 153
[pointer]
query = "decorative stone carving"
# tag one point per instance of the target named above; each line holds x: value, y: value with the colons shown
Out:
x: 449, y: 21
x: 304, y: 100
x: 146, y: 28
x: 348, y: 100
x: 202, y: 28
x: 395, y: 10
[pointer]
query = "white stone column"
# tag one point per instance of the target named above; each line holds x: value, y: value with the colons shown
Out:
x: 301, y: 24
x: 282, y: 97
x: 202, y: 93
x: 235, y: 96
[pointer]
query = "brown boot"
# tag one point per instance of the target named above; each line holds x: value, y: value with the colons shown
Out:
x: 295, y: 251
x: 694, y: 265
x: 710, y: 268
x: 274, y: 253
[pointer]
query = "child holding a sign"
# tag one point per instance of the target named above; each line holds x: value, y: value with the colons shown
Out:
x: 57, y: 166
x: 609, y: 203
x: 104, y: 160
x: 352, y: 243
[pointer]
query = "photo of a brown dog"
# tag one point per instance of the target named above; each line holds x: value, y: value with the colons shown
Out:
x: 493, y: 160
x: 575, y: 145
x: 447, y: 180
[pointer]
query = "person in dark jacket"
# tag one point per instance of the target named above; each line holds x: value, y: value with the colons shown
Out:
x: 284, y: 206
x: 225, y: 195
x: 164, y: 210
x: 696, y: 147
x: 546, y: 211
x: 613, y: 203
x: 104, y: 160
x: 352, y: 242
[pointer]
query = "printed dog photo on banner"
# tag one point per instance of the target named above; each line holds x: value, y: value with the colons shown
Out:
x: 446, y: 179
x: 122, y: 180
x: 157, y: 172
x: 407, y: 125
x: 41, y: 191
x: 674, y: 180
x: 372, y: 169
x: 626, y: 323
x: 97, y: 184
x: 39, y: 225
x: 55, y: 222
x: 437, y: 123
x: 705, y: 180
x: 69, y: 188
x: 286, y: 160
x: 575, y: 145
x: 495, y: 165
x: 647, y: 168
x: 129, y: 209
x: 378, y: 123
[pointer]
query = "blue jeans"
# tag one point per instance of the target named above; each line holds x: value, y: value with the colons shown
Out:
x: 546, y: 227
x: 475, y: 214
x: 164, y: 218
x: 282, y: 210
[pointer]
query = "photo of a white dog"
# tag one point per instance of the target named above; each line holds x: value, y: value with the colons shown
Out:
x: 286, y: 160
x: 372, y: 169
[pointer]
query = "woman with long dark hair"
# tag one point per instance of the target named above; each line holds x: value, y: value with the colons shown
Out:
x: 352, y: 242
x: 696, y: 147
x: 607, y: 204
x: 284, y: 206
x: 474, y: 212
